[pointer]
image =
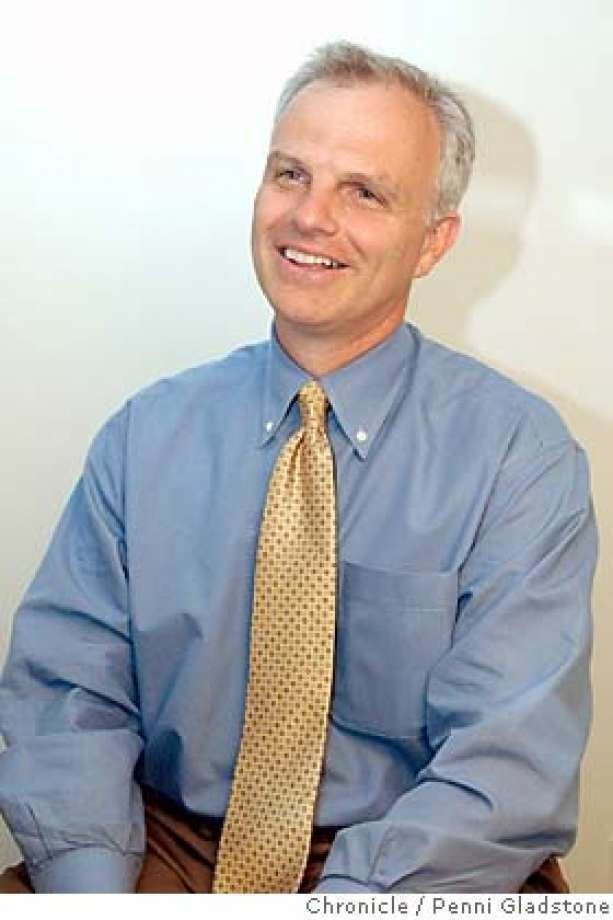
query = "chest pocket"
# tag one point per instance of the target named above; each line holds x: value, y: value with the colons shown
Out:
x: 392, y: 629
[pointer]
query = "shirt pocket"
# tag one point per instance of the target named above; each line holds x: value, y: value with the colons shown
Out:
x: 392, y: 629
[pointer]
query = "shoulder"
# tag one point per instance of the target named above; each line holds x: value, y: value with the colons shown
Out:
x: 220, y: 377
x: 170, y: 405
x: 483, y: 400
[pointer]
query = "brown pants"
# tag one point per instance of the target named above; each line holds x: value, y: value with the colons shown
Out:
x: 181, y: 851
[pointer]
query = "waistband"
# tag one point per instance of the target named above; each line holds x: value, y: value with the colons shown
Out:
x: 157, y: 805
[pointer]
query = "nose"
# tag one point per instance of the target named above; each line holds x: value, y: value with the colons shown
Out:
x: 314, y: 213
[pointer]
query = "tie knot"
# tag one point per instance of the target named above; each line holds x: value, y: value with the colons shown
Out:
x: 313, y: 403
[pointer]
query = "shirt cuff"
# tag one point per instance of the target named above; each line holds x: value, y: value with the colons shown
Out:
x: 91, y: 870
x: 337, y: 884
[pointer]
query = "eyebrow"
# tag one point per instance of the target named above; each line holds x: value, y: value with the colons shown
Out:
x: 380, y: 181
x: 275, y: 155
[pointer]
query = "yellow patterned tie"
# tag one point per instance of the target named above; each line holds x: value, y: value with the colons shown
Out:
x: 267, y: 829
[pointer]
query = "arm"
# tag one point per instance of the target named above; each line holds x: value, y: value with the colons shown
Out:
x: 68, y: 700
x: 507, y: 707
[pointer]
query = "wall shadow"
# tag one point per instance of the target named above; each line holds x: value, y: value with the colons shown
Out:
x: 498, y: 207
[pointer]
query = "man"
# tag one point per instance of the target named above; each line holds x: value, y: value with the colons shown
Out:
x: 457, y: 539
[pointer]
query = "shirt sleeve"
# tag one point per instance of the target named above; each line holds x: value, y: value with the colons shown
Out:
x: 68, y: 696
x: 508, y: 706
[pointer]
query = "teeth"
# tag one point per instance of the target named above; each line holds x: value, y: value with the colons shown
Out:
x: 304, y: 258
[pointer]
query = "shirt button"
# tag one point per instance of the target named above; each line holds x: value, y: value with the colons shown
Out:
x: 361, y: 435
x: 269, y: 426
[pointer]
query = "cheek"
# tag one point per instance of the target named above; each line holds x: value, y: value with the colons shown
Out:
x: 385, y: 242
x: 259, y: 222
x: 258, y: 218
x: 395, y: 264
x: 268, y: 211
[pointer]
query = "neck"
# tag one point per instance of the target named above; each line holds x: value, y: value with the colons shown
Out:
x: 323, y: 354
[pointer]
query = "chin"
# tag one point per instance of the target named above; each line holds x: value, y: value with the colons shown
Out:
x: 299, y: 315
x: 295, y: 308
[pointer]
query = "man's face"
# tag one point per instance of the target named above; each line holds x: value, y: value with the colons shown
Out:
x: 351, y: 177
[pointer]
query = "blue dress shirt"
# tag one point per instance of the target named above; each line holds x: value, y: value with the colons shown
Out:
x: 460, y: 703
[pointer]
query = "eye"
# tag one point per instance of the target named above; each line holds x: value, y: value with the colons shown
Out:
x: 289, y: 175
x: 366, y: 194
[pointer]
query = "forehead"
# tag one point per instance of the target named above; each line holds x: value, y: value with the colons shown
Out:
x: 360, y: 126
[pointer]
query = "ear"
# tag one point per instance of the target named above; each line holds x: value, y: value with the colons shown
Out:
x: 439, y: 238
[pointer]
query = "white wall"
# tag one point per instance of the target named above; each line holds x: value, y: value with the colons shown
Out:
x: 131, y: 141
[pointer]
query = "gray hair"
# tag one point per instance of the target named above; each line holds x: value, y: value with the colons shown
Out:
x: 344, y: 63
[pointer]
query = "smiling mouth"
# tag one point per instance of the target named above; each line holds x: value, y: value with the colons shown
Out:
x: 308, y: 260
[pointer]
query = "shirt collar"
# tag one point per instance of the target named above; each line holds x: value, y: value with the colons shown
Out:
x: 361, y: 393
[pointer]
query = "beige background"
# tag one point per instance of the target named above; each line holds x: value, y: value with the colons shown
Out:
x: 131, y: 141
